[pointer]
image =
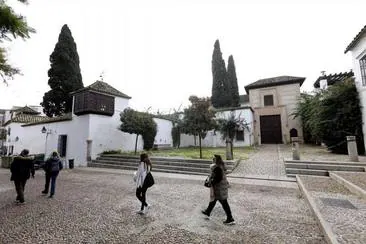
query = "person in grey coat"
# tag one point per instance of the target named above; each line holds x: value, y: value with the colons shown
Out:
x: 220, y: 190
x: 52, y: 168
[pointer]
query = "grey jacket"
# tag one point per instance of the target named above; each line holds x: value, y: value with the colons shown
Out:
x: 219, y: 182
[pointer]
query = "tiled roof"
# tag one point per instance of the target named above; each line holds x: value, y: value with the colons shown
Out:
x: 333, y: 78
x: 275, y: 81
x: 47, y: 120
x: 102, y: 87
x: 26, y: 110
x: 356, y: 39
x: 243, y: 99
x: 26, y: 118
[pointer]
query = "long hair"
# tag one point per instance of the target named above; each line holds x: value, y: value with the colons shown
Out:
x: 148, y: 162
x: 143, y: 156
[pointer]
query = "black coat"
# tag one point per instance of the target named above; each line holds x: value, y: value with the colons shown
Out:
x: 21, y: 168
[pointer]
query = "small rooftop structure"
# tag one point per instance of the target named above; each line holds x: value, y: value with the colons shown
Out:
x: 333, y: 78
x: 103, y: 88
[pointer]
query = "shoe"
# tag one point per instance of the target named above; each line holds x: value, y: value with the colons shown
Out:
x: 21, y: 203
x: 141, y: 212
x: 51, y: 196
x: 148, y: 206
x: 205, y: 213
x: 45, y: 192
x: 229, y: 222
x: 17, y: 201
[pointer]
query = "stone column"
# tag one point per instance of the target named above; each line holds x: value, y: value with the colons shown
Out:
x: 352, y: 148
x: 295, y: 148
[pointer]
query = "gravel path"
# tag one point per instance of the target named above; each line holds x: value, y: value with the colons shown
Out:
x: 357, y: 178
x: 92, y: 206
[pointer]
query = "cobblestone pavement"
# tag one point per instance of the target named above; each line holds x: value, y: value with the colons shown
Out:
x: 98, y: 206
x: 266, y: 161
x: 344, y: 211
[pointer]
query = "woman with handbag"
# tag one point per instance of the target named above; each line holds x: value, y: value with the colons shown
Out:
x: 144, y: 180
x: 219, y: 189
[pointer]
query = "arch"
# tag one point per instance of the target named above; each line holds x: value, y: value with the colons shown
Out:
x: 293, y: 132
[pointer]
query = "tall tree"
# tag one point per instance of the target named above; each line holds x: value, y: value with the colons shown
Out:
x: 64, y: 75
x: 232, y: 82
x: 219, y: 78
x: 12, y: 25
x: 198, y: 118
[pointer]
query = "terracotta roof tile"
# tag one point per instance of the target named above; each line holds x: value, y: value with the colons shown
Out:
x: 274, y: 81
x: 103, y: 87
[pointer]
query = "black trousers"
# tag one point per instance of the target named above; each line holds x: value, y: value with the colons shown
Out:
x: 19, y: 187
x: 225, y: 206
x: 47, y: 184
x: 141, y: 195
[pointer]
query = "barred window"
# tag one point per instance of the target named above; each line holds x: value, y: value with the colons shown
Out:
x: 363, y: 70
x: 268, y: 100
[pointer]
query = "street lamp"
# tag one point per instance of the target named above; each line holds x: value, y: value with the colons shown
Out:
x: 47, y: 132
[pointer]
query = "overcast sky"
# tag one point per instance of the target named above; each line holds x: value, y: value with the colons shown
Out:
x: 159, y: 52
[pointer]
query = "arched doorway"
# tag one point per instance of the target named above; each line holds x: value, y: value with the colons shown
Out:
x: 293, y: 132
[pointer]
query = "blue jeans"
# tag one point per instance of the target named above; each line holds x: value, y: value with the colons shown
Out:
x: 53, y: 182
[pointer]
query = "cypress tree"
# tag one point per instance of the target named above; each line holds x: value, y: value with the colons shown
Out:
x: 218, y: 75
x: 64, y: 75
x: 233, y: 83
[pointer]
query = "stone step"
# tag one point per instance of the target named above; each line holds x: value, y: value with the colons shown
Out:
x: 175, y: 171
x: 158, y: 163
x: 306, y: 171
x: 329, y: 167
x: 154, y: 158
x: 340, y: 213
x: 353, y: 181
x: 324, y: 162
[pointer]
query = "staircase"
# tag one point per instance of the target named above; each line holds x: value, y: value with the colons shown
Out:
x: 159, y: 164
x: 320, y: 168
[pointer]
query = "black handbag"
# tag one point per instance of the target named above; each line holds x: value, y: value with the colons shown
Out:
x: 149, y: 180
x: 208, y: 182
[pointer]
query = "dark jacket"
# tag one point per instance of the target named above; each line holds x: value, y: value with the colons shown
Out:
x: 219, y: 183
x: 53, y: 164
x: 22, y: 168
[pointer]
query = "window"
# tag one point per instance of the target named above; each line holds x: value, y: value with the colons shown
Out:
x: 363, y: 70
x: 268, y: 100
x: 240, y: 135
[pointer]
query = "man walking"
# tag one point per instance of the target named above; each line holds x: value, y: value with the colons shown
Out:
x: 21, y: 169
x: 52, y: 168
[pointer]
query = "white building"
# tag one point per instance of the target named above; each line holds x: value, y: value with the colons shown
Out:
x: 358, y: 49
x: 91, y: 128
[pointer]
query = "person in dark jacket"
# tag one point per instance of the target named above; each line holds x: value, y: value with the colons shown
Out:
x: 21, y: 169
x: 52, y: 168
x: 220, y: 189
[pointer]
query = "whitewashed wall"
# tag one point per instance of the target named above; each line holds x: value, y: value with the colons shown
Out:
x: 164, y: 132
x: 358, y: 52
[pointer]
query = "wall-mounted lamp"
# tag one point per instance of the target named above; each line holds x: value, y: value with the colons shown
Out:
x: 17, y: 138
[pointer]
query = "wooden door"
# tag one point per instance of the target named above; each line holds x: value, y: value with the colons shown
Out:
x: 271, y: 132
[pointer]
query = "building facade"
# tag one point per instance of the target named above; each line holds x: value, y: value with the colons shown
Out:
x: 358, y: 49
x: 273, y: 101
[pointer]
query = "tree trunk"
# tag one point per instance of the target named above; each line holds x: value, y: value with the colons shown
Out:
x: 200, y: 145
x: 137, y: 137
x: 229, y: 149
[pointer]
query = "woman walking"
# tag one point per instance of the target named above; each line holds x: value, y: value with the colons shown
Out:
x: 142, y: 171
x: 219, y: 190
x: 52, y: 168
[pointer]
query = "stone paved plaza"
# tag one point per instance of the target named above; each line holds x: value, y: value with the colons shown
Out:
x: 98, y: 206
